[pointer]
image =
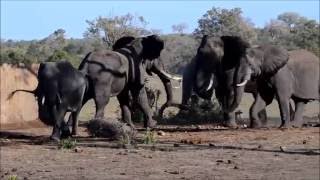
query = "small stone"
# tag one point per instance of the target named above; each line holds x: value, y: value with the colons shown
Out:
x: 260, y: 146
x: 212, y: 145
x: 176, y: 145
x: 78, y: 150
x: 304, y: 142
x: 245, y: 126
x: 13, y: 169
x: 122, y: 173
x: 229, y: 161
x: 283, y: 148
x: 235, y: 167
x: 161, y: 133
x: 219, y: 161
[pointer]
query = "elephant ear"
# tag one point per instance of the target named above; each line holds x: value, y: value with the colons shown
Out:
x: 122, y: 42
x: 267, y: 59
x: 151, y: 47
x: 234, y: 49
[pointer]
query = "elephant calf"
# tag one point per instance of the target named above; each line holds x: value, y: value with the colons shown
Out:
x: 60, y: 89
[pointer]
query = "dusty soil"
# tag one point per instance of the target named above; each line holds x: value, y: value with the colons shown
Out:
x: 201, y: 152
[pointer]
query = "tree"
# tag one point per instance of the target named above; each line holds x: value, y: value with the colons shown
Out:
x: 220, y: 22
x: 292, y: 31
x: 106, y: 30
x: 179, y: 28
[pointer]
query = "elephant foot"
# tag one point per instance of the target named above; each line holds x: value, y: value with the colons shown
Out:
x: 150, y: 124
x: 296, y: 124
x: 285, y: 126
x: 256, y: 124
x: 65, y: 132
x: 55, y: 138
x: 231, y: 124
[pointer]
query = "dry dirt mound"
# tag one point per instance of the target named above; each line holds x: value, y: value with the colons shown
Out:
x: 21, y: 110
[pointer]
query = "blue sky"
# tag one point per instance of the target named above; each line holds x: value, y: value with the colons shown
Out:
x: 37, y: 19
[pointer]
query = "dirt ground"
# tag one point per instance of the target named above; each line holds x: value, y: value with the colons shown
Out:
x: 194, y: 152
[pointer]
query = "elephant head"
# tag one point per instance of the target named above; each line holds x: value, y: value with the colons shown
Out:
x: 233, y: 62
x: 156, y: 66
x: 148, y: 48
x: 219, y: 58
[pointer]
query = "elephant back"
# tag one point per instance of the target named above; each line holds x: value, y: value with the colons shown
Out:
x: 304, y: 66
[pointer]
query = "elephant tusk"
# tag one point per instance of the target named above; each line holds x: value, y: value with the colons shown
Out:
x: 171, y: 76
x: 242, y: 84
x: 210, y: 84
x: 43, y: 100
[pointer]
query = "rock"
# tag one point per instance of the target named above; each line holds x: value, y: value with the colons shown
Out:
x: 245, y: 126
x: 161, y: 133
x: 14, y: 169
x: 78, y: 150
x: 304, y: 142
x: 235, y: 167
x: 176, y: 145
x: 219, y: 161
x: 229, y: 161
x: 212, y: 145
x: 283, y: 148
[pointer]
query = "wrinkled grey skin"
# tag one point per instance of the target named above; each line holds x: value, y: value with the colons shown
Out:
x: 60, y: 89
x: 283, y: 75
x: 110, y: 73
x: 189, y: 75
x: 297, y: 78
x: 156, y: 66
x: 216, y: 61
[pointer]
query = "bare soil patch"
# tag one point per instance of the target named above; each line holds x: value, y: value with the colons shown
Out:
x: 194, y: 153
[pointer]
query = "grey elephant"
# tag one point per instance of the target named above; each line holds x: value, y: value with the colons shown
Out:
x: 116, y: 73
x: 204, y: 74
x: 60, y: 89
x: 283, y: 75
x: 277, y: 74
x: 155, y: 66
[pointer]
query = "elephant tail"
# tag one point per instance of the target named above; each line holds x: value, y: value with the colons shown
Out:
x: 34, y: 92
x: 84, y: 64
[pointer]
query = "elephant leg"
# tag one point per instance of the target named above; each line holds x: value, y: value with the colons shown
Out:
x: 298, y: 119
x: 284, y: 106
x: 258, y: 106
x: 142, y: 101
x: 263, y: 113
x: 263, y: 117
x: 229, y: 120
x: 101, y: 99
x: 75, y: 121
x: 58, y: 114
x: 124, y: 102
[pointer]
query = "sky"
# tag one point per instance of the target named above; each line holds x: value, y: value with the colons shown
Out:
x: 27, y: 20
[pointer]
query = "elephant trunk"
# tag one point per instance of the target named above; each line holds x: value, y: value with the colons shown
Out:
x: 239, y: 90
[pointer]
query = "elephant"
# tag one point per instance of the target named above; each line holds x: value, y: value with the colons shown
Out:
x: 277, y: 72
x: 188, y: 87
x: 283, y: 75
x: 119, y: 73
x: 156, y: 66
x: 61, y: 89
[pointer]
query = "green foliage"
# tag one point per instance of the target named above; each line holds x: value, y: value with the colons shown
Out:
x: 67, y: 143
x: 104, y: 31
x: 13, y: 177
x: 149, y: 137
x: 220, y: 22
x: 293, y: 32
x: 178, y: 51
